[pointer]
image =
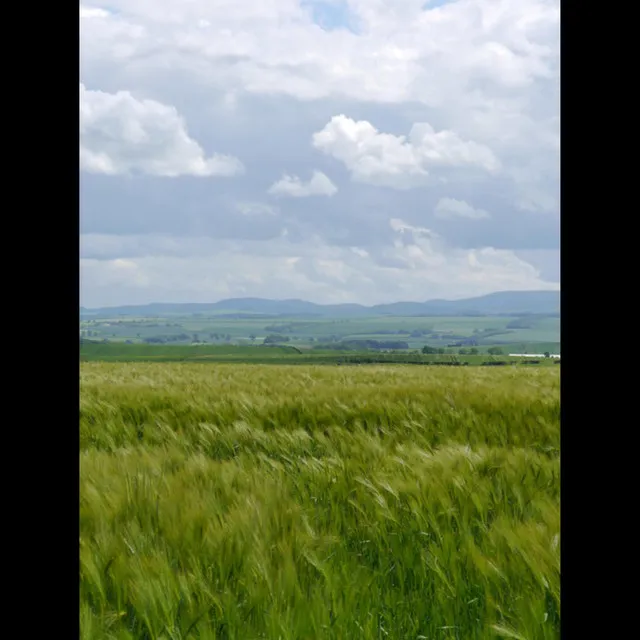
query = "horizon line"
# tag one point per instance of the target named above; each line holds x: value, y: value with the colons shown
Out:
x: 325, y: 304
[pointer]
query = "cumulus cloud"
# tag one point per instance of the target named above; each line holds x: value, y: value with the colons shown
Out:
x: 402, y: 51
x: 120, y: 134
x: 452, y: 208
x: 419, y: 250
x: 398, y: 161
x: 484, y: 75
x: 292, y: 186
x: 486, y: 69
x: 417, y: 265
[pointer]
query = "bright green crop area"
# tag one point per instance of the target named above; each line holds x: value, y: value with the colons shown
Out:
x: 302, y: 502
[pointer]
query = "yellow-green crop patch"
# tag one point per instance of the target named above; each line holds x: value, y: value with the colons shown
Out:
x: 271, y: 501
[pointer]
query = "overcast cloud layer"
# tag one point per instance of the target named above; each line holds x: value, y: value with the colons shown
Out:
x: 333, y: 150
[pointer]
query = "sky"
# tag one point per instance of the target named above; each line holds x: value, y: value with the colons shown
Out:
x: 363, y: 151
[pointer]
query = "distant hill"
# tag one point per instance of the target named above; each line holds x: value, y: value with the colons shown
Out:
x: 499, y: 303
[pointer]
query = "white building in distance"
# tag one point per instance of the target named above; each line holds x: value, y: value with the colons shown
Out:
x: 533, y: 355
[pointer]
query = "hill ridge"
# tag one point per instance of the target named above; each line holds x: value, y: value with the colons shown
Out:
x: 497, y: 303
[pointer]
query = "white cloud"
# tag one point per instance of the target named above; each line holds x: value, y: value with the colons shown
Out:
x: 93, y: 12
x: 547, y: 261
x: 360, y: 252
x: 120, y: 134
x: 418, y: 265
x: 452, y: 208
x: 256, y: 79
x: 459, y: 271
x: 486, y: 69
x: 397, y: 161
x: 110, y: 275
x: 402, y: 52
x: 256, y: 209
x: 292, y: 186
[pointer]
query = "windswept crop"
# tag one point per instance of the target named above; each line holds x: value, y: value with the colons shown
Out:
x: 300, y: 502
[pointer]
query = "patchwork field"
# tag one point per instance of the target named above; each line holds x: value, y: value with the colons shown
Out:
x: 415, y: 332
x: 284, y: 354
x: 301, y: 502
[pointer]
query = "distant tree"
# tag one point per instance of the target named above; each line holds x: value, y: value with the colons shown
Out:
x: 441, y: 350
x: 463, y: 352
x: 429, y: 350
x: 547, y: 354
x: 473, y: 351
x: 494, y: 351
x: 252, y: 337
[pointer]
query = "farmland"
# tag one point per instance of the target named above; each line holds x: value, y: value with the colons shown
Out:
x: 325, y: 339
x: 447, y: 332
x: 232, y: 500
x: 285, y: 354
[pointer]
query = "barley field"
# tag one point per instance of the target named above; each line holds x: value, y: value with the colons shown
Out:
x: 300, y: 502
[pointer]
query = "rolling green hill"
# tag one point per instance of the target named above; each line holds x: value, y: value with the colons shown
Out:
x: 499, y: 303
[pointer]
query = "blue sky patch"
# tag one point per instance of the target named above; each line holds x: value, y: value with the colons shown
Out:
x: 331, y: 15
x: 434, y: 4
